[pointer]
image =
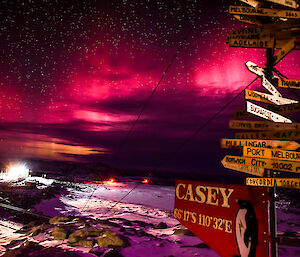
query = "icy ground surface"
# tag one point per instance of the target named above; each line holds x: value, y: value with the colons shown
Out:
x: 146, y: 203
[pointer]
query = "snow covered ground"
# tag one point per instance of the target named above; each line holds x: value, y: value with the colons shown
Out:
x: 140, y: 204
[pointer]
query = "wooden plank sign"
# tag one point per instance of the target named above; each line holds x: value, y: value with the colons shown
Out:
x: 230, y: 162
x: 260, y: 163
x: 248, y: 19
x: 267, y: 98
x: 261, y: 125
x: 289, y: 3
x: 276, y: 154
x: 289, y: 108
x: 267, y: 12
x: 268, y: 85
x: 266, y: 114
x: 274, y: 182
x: 251, y: 66
x: 253, y: 3
x: 239, y: 143
x: 289, y: 83
x: 230, y: 219
x: 284, y: 51
x: 252, y: 43
x: 279, y: 134
x: 274, y: 26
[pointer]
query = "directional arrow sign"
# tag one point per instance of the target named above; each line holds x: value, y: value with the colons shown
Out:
x: 256, y: 96
x: 251, y: 66
x: 268, y: 85
x: 245, y: 10
x: 274, y: 182
x: 229, y: 162
x: 262, y: 125
x: 289, y: 83
x: 239, y: 143
x: 267, y: 98
x: 253, y: 3
x: 289, y: 3
x: 247, y: 19
x: 281, y: 24
x: 260, y: 163
x: 252, y: 43
x: 266, y: 114
x: 284, y: 51
x: 279, y: 134
x: 267, y: 153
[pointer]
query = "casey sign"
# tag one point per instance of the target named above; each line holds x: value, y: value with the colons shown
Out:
x: 231, y: 219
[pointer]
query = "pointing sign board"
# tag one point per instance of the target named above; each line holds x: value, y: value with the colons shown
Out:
x: 245, y: 10
x: 266, y: 114
x: 274, y: 182
x: 226, y: 217
x: 253, y: 3
x: 289, y: 3
x: 239, y: 143
x: 267, y: 98
x: 261, y: 125
x: 289, y: 83
x: 284, y: 51
x: 247, y: 19
x: 238, y: 163
x: 260, y: 163
x: 279, y: 134
x: 267, y: 153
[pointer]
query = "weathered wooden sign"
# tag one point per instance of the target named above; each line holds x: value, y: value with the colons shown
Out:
x: 238, y: 164
x: 234, y: 215
x: 252, y: 43
x: 267, y: 98
x: 289, y: 83
x: 275, y: 154
x: 266, y: 114
x: 239, y: 143
x: 274, y: 182
x: 279, y: 134
x: 289, y: 3
x: 269, y: 86
x: 248, y: 19
x: 284, y: 51
x: 254, y: 68
x: 261, y: 125
x: 280, y: 25
x: 245, y: 10
x: 259, y: 164
x: 253, y: 3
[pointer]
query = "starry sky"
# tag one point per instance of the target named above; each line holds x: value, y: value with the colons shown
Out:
x: 74, y: 75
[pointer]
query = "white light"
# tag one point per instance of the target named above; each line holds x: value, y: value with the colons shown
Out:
x: 16, y: 172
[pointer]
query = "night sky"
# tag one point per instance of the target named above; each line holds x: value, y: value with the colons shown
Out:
x: 74, y: 75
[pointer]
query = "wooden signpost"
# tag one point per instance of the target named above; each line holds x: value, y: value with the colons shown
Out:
x: 266, y: 114
x: 261, y: 125
x: 222, y: 214
x: 289, y: 83
x: 274, y: 182
x: 267, y: 12
x: 261, y: 164
x: 239, y: 143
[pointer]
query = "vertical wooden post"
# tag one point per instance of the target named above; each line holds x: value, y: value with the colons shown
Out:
x: 272, y: 190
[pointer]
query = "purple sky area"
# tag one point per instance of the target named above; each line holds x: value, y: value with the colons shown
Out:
x: 75, y: 74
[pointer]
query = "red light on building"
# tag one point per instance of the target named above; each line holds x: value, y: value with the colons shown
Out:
x: 146, y: 181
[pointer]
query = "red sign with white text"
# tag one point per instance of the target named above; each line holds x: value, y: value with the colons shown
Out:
x: 230, y: 219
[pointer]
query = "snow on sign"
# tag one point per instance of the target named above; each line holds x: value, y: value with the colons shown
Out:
x: 230, y: 219
x: 267, y: 98
x: 266, y: 114
x: 239, y: 143
x: 289, y: 83
x: 245, y: 10
x: 276, y: 154
x: 274, y: 182
x: 277, y: 134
